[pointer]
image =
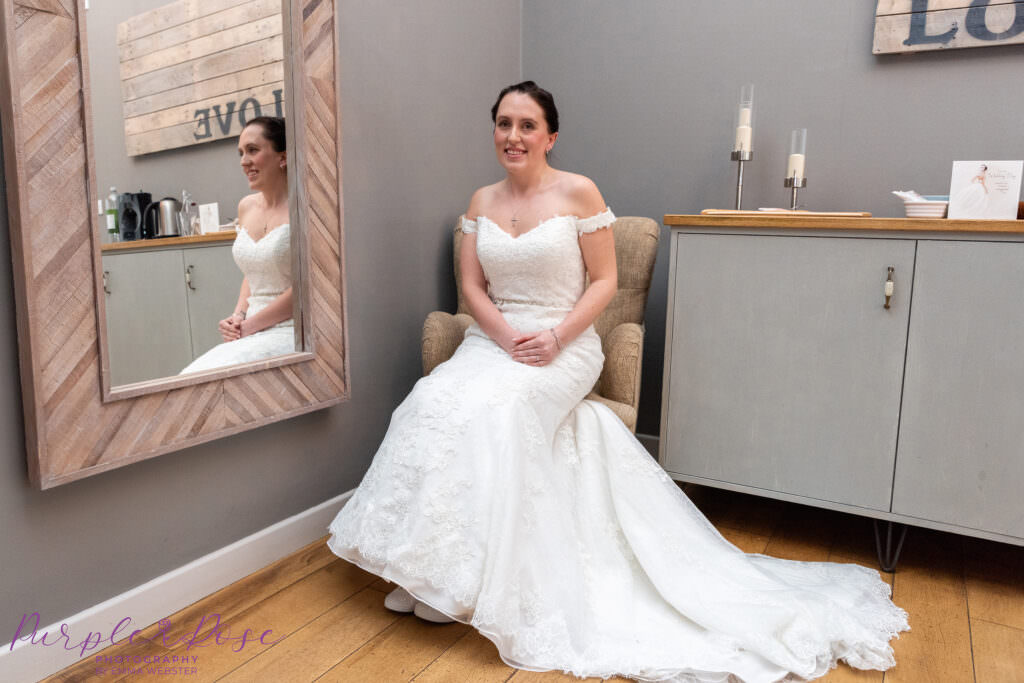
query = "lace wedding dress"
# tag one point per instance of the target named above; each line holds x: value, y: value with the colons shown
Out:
x: 267, y: 265
x: 504, y: 500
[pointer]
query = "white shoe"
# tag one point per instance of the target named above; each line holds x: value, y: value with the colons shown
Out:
x: 428, y: 613
x: 399, y: 600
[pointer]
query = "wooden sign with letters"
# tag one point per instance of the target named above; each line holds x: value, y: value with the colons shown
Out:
x: 916, y: 25
x: 194, y: 71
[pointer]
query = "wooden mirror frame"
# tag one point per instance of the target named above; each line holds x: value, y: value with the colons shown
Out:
x: 75, y: 424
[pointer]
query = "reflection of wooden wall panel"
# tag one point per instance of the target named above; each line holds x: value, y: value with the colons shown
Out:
x: 70, y: 432
x: 203, y: 46
x: 918, y: 25
x: 211, y: 87
x: 196, y: 28
x: 186, y: 65
x: 168, y: 16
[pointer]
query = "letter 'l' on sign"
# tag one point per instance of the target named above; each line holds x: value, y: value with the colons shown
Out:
x: 918, y: 25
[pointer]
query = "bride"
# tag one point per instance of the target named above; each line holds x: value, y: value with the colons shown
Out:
x: 500, y: 498
x: 261, y: 325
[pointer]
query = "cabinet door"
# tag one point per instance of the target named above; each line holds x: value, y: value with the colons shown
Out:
x: 785, y: 367
x: 147, y: 322
x: 212, y: 293
x: 961, y: 455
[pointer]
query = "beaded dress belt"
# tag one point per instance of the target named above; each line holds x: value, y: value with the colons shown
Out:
x: 501, y: 302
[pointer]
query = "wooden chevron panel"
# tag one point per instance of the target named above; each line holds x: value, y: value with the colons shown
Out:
x: 75, y: 424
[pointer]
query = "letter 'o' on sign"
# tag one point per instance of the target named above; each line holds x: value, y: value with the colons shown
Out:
x: 917, y: 25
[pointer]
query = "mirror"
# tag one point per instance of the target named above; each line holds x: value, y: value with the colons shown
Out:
x: 186, y: 236
x: 76, y: 423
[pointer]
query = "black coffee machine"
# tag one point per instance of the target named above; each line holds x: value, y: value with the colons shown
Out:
x: 130, y: 208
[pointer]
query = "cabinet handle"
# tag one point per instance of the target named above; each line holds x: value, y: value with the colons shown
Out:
x: 188, y: 278
x: 890, y: 286
x: 106, y: 281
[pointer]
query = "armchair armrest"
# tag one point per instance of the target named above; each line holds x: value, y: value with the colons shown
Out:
x: 623, y: 353
x: 442, y: 334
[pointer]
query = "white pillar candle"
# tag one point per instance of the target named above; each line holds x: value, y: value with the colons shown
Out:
x: 744, y: 116
x: 795, y: 167
x: 743, y: 136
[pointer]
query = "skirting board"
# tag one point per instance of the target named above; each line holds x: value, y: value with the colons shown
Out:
x: 166, y: 594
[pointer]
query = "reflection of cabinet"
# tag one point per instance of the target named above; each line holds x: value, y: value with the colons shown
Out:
x: 785, y: 376
x: 163, y: 306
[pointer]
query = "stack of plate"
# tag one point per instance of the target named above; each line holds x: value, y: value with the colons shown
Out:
x: 929, y: 209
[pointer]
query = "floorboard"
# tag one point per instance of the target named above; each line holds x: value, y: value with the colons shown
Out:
x: 965, y: 598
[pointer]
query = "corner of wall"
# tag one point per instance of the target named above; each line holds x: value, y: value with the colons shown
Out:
x: 521, y: 4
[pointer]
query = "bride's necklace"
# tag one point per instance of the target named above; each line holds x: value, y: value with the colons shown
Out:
x: 515, y: 211
x: 515, y: 215
x: 266, y: 223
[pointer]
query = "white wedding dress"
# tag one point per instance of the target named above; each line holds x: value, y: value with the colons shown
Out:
x: 267, y: 266
x: 504, y: 500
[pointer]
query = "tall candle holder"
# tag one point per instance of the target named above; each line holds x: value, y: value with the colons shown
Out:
x: 742, y: 149
x: 740, y: 157
x: 794, y: 183
x: 795, y: 176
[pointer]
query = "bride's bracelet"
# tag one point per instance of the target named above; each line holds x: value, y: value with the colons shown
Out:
x: 241, y: 313
x: 558, y: 342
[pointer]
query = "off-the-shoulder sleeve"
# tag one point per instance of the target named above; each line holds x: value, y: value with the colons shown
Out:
x: 468, y: 226
x: 595, y: 222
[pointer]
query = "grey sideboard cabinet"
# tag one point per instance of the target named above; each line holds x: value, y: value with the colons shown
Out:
x: 789, y: 374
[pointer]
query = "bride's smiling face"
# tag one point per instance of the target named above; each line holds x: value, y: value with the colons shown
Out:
x: 521, y: 135
x: 262, y: 165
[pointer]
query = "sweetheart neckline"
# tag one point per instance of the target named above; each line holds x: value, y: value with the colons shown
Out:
x: 524, y: 234
x: 265, y: 235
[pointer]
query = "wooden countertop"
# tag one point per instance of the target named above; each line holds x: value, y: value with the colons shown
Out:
x: 140, y: 245
x: 808, y: 222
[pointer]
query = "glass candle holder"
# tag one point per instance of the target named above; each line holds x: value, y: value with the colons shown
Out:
x: 797, y: 153
x: 745, y: 120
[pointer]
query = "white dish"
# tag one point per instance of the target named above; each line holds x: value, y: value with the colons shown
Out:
x: 929, y: 209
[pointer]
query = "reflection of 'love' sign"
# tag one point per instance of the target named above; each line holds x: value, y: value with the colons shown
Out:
x: 193, y: 72
x: 234, y: 115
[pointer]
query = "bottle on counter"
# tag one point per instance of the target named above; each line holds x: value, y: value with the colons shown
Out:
x: 110, y: 211
x: 188, y: 215
x: 193, y: 217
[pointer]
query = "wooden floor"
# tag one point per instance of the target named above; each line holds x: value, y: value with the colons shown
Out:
x: 965, y: 599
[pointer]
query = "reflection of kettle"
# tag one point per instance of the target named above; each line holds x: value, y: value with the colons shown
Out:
x: 166, y: 217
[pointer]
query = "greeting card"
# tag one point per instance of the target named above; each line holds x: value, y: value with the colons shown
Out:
x: 985, y: 189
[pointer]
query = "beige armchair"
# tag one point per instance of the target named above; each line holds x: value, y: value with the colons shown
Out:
x: 620, y: 326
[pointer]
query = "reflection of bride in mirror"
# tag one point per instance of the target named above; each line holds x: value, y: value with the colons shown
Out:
x: 261, y: 325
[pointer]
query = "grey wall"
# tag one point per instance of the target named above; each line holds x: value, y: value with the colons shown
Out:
x: 416, y: 93
x: 210, y: 171
x: 648, y: 92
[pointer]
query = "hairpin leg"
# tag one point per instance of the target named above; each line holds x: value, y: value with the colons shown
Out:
x: 888, y: 556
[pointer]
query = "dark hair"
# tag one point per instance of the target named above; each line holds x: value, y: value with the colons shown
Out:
x: 273, y: 130
x: 538, y: 94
